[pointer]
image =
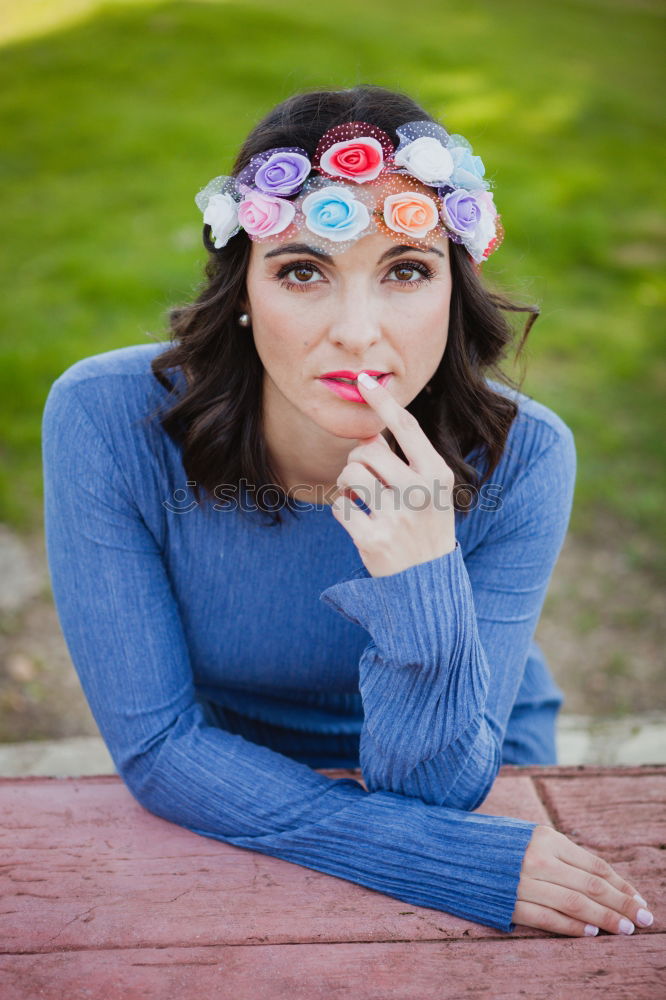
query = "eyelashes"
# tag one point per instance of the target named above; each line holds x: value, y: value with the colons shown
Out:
x: 301, y: 286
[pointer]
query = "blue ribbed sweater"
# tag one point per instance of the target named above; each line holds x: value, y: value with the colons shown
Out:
x: 175, y: 613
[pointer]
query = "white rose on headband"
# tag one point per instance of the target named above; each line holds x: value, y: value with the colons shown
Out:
x: 486, y: 228
x: 426, y: 159
x: 221, y: 215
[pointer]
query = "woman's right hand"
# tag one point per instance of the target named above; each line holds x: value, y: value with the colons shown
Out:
x: 563, y: 888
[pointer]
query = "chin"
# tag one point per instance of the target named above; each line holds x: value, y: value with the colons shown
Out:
x: 356, y: 426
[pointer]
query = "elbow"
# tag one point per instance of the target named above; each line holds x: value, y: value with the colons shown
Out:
x: 145, y: 773
x: 476, y: 779
x: 140, y: 782
x: 155, y: 769
x: 445, y: 780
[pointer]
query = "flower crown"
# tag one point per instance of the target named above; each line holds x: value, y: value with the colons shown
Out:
x: 362, y: 184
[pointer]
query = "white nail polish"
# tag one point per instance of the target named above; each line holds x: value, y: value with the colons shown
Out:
x: 367, y: 380
x: 639, y: 899
x: 591, y: 930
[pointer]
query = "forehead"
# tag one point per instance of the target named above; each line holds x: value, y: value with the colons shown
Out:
x: 366, y: 250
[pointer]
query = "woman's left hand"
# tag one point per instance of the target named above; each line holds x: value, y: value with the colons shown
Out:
x: 412, y: 519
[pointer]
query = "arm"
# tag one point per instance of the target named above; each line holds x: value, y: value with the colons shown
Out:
x: 123, y: 630
x: 450, y: 639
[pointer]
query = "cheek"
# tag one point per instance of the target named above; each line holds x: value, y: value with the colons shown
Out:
x: 280, y: 350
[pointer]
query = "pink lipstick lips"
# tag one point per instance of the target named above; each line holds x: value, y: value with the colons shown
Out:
x: 343, y: 383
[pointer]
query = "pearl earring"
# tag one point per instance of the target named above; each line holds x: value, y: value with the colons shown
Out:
x: 244, y: 319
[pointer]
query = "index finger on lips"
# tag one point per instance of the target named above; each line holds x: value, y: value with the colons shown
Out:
x: 403, y: 425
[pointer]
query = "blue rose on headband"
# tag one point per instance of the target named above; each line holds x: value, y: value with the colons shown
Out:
x: 468, y: 169
x: 335, y: 213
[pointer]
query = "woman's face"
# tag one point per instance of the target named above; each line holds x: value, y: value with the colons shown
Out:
x: 373, y: 307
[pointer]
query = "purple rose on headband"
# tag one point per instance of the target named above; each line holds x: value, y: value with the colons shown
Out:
x: 282, y: 172
x: 461, y: 212
x: 279, y: 171
x: 261, y: 215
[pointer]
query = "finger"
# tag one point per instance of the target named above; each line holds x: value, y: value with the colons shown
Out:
x: 576, y: 904
x: 403, y: 425
x: 358, y: 479
x: 353, y: 519
x: 575, y: 855
x: 546, y: 919
x: 375, y: 439
x: 602, y: 891
x: 385, y: 464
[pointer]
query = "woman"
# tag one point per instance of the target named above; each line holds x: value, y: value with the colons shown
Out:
x: 218, y: 605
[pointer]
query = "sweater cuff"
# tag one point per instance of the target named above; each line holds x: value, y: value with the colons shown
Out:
x: 411, y: 613
x: 466, y: 864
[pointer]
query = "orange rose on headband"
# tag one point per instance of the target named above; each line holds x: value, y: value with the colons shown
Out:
x: 411, y: 213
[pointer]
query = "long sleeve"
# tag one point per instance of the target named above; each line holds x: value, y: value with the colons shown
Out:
x: 450, y: 638
x: 126, y: 638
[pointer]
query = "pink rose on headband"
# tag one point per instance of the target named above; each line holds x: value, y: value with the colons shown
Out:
x: 358, y: 160
x: 411, y: 213
x: 262, y: 215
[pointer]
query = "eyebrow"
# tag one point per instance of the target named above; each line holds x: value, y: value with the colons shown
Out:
x: 389, y: 255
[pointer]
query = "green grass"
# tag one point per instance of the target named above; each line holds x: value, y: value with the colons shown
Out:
x: 115, y: 120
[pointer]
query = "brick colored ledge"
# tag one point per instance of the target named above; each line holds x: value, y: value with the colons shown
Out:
x: 103, y: 900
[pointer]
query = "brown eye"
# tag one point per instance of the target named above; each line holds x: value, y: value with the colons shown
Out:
x: 406, y: 270
x: 410, y: 267
x: 302, y: 271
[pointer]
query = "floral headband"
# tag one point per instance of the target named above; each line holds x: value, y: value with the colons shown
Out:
x: 363, y: 184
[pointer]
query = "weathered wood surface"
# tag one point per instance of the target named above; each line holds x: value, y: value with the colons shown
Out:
x: 101, y: 899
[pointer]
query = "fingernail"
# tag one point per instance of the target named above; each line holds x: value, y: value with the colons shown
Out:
x: 644, y: 918
x: 591, y: 930
x: 626, y: 926
x: 367, y: 380
x: 639, y: 899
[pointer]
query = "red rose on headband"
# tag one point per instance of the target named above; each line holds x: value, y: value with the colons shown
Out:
x: 357, y: 160
x: 353, y: 151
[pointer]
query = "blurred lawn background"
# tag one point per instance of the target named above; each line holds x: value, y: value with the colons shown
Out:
x: 114, y: 115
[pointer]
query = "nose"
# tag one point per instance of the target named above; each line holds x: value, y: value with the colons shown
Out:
x: 356, y: 324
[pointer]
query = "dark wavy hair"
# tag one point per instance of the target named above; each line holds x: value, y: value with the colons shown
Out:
x: 217, y: 421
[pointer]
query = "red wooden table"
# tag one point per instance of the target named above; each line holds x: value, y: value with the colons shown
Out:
x: 101, y: 899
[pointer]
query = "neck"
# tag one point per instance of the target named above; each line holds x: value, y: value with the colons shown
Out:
x: 307, y: 465
x: 306, y: 460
